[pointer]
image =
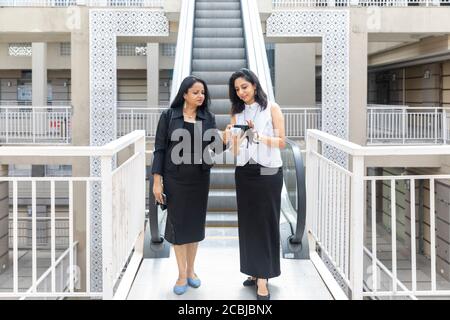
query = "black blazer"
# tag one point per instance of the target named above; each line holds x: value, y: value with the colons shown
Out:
x: 170, y: 120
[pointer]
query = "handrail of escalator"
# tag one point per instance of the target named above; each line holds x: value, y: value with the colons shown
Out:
x: 183, y: 53
x: 255, y: 46
x: 297, y: 237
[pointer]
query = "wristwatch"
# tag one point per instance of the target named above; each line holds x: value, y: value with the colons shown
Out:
x: 256, y: 137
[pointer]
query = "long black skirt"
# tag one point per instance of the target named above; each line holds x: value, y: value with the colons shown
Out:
x: 258, y: 191
x: 187, y: 201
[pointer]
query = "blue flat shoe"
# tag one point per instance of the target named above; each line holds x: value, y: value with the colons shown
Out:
x: 179, y: 290
x: 194, y: 283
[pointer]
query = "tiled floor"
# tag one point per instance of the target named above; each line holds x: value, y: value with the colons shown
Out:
x: 217, y: 265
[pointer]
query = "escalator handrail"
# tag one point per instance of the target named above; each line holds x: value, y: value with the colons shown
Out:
x: 255, y: 46
x: 301, y: 193
x: 183, y: 53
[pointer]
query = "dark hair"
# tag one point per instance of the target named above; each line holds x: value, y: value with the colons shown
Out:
x: 185, y: 85
x: 237, y: 105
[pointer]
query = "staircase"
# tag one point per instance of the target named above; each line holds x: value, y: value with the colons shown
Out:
x: 218, y: 50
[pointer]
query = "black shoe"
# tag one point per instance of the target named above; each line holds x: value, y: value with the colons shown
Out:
x: 249, y: 282
x: 260, y: 297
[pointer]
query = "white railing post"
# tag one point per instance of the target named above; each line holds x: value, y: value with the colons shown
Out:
x: 403, y: 125
x: 357, y: 228
x: 107, y: 226
x: 311, y: 181
x: 33, y: 124
x: 66, y: 126
x: 444, y: 126
x: 371, y: 126
x: 7, y: 125
x: 305, y: 122
x: 132, y: 121
x: 139, y: 147
x: 435, y: 125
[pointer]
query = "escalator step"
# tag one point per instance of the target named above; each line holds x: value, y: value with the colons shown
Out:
x: 218, y: 91
x: 221, y: 106
x: 219, y: 5
x: 222, y: 14
x: 218, y: 65
x: 214, y: 77
x: 218, y: 42
x: 218, y: 23
x: 219, y: 32
x: 218, y: 53
x: 221, y: 219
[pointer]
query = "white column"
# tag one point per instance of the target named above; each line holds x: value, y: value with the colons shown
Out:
x: 152, y: 74
x: 80, y: 137
x: 39, y: 73
x: 357, y: 80
x: 295, y: 74
x: 4, y: 213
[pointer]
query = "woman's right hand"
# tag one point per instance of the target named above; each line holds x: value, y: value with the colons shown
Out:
x: 158, y: 190
x: 228, y: 133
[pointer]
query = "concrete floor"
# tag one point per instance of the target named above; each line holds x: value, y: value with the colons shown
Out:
x: 43, y: 261
x: 217, y: 265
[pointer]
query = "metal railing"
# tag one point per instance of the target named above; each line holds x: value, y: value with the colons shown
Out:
x: 336, y: 200
x: 138, y: 118
x: 8, y: 103
x: 135, y: 116
x: 43, y: 236
x: 41, y: 124
x: 122, y: 198
x: 403, y: 124
x: 294, y: 4
x: 298, y: 119
x: 91, y: 3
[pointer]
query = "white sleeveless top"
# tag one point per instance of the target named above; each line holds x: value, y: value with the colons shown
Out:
x: 260, y: 152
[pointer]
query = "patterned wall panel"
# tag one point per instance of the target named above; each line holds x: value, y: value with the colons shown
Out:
x: 333, y: 27
x: 105, y: 25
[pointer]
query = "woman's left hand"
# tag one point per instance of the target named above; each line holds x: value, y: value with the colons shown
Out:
x: 251, y: 124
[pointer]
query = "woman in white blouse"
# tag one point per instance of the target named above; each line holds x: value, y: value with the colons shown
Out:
x: 259, y: 178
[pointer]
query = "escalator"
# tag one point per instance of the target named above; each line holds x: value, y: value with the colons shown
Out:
x: 224, y: 39
x: 218, y: 50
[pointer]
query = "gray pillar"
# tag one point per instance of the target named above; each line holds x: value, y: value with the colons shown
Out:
x: 295, y: 74
x: 80, y: 131
x: 4, y: 214
x: 152, y: 74
x: 357, y: 79
x: 39, y: 73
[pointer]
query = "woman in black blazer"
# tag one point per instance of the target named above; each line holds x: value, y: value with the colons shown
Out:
x: 181, y: 171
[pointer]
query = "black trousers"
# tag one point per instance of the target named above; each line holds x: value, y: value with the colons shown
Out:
x: 258, y: 191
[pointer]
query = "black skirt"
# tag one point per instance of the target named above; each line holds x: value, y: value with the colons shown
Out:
x: 258, y: 191
x: 187, y: 201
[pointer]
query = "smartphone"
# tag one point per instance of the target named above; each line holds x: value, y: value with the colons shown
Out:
x: 243, y: 127
x: 164, y: 204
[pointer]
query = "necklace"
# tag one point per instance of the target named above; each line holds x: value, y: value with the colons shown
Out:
x: 254, y: 116
x: 189, y: 116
